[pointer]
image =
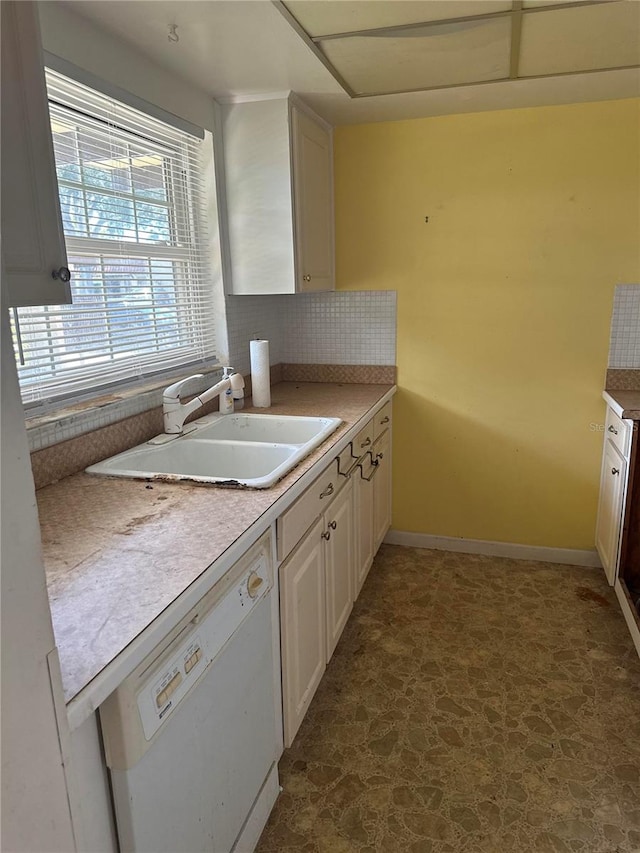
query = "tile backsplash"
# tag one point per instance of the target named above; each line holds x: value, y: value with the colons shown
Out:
x: 337, y: 327
x: 251, y: 317
x: 624, y: 347
x: 343, y: 327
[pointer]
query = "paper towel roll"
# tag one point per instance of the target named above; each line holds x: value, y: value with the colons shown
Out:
x: 260, y: 379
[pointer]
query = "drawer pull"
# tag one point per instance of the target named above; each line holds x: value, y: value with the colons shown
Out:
x: 385, y: 420
x: 333, y: 524
x: 326, y: 535
x: 380, y: 455
x: 613, y: 430
x: 328, y: 491
x: 350, y: 470
x: 366, y: 442
x: 615, y: 470
x: 375, y: 465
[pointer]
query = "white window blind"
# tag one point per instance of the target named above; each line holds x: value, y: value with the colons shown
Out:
x: 133, y: 208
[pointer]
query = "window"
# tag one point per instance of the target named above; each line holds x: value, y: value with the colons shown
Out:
x: 132, y: 200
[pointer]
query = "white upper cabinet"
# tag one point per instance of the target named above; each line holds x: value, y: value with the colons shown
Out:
x: 313, y: 202
x: 33, y: 249
x: 279, y: 189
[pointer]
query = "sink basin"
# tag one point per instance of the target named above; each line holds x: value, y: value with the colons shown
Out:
x: 277, y: 429
x: 231, y: 450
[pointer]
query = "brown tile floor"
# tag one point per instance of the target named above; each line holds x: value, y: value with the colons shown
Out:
x: 473, y: 704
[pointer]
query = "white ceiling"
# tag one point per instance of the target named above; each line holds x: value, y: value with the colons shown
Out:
x: 239, y: 49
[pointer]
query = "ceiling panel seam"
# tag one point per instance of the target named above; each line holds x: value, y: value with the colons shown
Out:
x: 516, y: 35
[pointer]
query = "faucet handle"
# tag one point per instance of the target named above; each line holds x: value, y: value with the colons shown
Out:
x: 173, y: 391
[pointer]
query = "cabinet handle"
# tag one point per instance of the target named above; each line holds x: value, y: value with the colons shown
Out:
x: 326, y: 535
x: 350, y: 470
x: 613, y: 430
x: 385, y: 420
x: 366, y: 442
x: 328, y: 491
x: 615, y: 470
x: 375, y: 464
x: 306, y: 278
x: 63, y: 274
x: 379, y: 455
x: 333, y: 524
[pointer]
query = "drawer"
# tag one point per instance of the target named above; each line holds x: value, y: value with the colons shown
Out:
x: 364, y: 439
x: 382, y: 420
x: 618, y: 431
x: 294, y: 522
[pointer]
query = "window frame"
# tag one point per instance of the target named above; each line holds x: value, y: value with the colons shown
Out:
x: 184, y: 216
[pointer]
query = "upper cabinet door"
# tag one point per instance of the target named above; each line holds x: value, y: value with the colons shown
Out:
x: 278, y: 165
x: 313, y: 202
x: 35, y: 258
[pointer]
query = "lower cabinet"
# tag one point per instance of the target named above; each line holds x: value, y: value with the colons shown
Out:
x: 303, y: 627
x: 339, y: 559
x: 610, y: 506
x: 363, y: 509
x: 315, y: 602
x: 381, y: 454
x: 346, y: 513
x: 613, y: 489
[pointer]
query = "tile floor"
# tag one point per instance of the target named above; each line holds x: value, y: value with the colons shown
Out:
x: 473, y: 704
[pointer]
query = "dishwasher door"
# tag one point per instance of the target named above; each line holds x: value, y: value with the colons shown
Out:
x: 192, y: 785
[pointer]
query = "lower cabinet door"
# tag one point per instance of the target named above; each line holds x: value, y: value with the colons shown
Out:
x: 303, y: 627
x: 382, y: 489
x: 339, y: 554
x: 613, y: 480
x: 363, y: 506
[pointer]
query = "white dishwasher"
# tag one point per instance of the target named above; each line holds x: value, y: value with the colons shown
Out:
x: 192, y: 736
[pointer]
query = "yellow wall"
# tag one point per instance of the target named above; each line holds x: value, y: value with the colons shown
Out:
x: 504, y: 305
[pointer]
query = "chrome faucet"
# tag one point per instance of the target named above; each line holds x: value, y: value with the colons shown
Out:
x: 175, y: 413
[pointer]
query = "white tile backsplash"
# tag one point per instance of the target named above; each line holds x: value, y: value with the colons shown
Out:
x: 251, y: 317
x: 343, y: 327
x: 624, y: 346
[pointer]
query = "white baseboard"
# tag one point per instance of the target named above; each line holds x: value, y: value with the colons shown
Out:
x: 568, y: 556
x: 627, y: 612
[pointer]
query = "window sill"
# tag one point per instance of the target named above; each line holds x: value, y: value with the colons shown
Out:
x: 45, y: 428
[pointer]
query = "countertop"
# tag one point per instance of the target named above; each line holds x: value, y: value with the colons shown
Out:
x: 626, y: 404
x: 125, y: 557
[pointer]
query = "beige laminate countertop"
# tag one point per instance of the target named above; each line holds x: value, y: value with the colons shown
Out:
x: 626, y: 404
x: 119, y: 552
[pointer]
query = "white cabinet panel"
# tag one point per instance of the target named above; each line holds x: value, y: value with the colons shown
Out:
x: 382, y: 489
x: 313, y: 202
x: 363, y: 530
x: 303, y: 627
x: 338, y: 553
x: 32, y: 239
x: 610, y: 508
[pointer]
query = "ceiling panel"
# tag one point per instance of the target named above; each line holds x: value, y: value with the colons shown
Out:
x: 579, y: 39
x: 321, y: 17
x: 440, y: 55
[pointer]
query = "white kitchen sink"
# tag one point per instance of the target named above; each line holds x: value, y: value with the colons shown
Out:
x: 231, y: 450
x: 279, y: 429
